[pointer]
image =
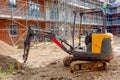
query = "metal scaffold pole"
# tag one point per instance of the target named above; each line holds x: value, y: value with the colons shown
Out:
x: 11, y: 37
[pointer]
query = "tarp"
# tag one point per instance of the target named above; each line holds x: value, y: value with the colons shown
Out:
x: 116, y: 3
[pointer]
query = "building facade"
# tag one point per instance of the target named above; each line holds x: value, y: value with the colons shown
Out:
x: 17, y: 15
x: 55, y: 15
x: 115, y: 11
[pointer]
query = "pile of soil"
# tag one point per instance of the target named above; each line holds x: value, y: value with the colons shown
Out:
x: 6, y: 62
x: 6, y: 49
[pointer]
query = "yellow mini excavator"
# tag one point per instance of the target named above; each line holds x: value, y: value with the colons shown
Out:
x: 99, y: 46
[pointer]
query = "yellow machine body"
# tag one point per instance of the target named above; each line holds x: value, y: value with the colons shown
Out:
x: 97, y: 41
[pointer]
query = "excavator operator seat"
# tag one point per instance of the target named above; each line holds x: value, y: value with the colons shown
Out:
x: 88, y: 42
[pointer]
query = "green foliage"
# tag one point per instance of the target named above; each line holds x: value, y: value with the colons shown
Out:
x: 10, y: 71
x: 0, y: 69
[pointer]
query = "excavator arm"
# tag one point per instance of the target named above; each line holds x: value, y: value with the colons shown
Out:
x: 45, y: 34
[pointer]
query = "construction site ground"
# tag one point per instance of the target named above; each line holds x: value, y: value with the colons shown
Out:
x: 45, y: 62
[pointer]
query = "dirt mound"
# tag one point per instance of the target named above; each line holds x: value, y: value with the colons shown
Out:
x: 6, y: 49
x: 6, y: 62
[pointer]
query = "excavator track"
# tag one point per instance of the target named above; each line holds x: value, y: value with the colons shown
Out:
x: 67, y: 60
x: 87, y: 65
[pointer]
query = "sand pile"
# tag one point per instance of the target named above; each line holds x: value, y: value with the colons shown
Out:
x: 6, y: 49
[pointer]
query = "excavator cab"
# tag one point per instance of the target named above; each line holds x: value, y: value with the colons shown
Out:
x: 99, y: 46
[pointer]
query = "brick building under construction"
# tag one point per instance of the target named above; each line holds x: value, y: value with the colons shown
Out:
x: 55, y: 15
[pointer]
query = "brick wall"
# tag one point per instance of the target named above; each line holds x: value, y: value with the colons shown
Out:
x: 5, y: 23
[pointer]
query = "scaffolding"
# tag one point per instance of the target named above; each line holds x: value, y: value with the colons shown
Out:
x: 63, y: 16
x: 56, y: 14
x: 115, y: 10
x: 22, y: 16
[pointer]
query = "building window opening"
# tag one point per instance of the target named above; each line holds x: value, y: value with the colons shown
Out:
x: 56, y: 30
x: 54, y: 13
x: 13, y: 30
x: 33, y: 9
x: 35, y: 29
x: 12, y: 3
x: 118, y: 30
